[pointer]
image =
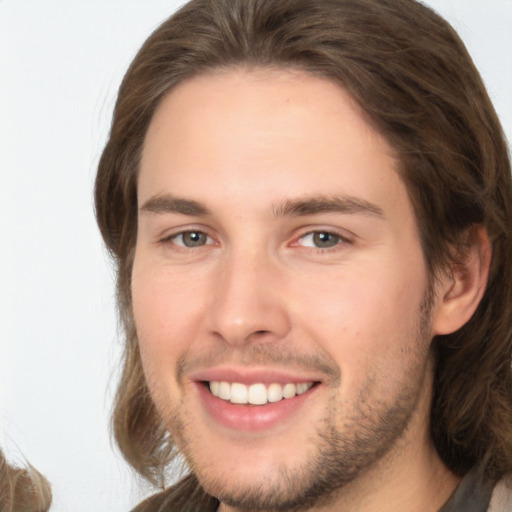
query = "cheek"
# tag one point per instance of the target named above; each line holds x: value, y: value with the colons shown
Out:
x: 167, y: 315
x: 367, y: 320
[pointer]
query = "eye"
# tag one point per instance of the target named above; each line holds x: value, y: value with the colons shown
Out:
x: 321, y: 240
x: 191, y: 239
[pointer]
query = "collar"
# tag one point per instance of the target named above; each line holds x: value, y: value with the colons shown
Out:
x: 472, y: 495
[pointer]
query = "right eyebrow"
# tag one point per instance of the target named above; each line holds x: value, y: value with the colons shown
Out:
x: 168, y: 204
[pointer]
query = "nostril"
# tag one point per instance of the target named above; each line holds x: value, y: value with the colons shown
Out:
x: 260, y: 334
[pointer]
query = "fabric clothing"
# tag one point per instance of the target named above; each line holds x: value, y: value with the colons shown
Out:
x: 477, y: 494
x: 501, y: 500
x: 473, y: 494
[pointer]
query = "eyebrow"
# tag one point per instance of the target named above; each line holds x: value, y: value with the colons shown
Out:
x: 161, y: 204
x: 170, y: 204
x: 328, y: 204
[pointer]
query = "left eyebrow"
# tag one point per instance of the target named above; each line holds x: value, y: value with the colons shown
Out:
x: 327, y: 204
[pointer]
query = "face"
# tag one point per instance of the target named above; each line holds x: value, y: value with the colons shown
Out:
x: 279, y: 289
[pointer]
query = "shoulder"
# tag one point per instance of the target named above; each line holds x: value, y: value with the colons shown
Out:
x: 152, y: 504
x: 186, y: 496
x: 501, y: 499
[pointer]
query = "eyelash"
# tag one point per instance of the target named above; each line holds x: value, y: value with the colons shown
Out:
x: 340, y: 240
x: 171, y: 239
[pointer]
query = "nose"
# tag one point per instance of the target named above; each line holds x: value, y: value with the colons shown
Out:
x: 249, y: 301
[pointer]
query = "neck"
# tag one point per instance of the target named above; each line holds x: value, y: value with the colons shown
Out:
x: 421, y: 483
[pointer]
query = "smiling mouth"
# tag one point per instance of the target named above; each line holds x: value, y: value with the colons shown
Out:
x: 256, y: 394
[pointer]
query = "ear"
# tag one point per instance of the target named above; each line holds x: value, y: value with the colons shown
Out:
x: 462, y: 287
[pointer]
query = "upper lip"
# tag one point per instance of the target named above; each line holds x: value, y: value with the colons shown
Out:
x: 250, y: 376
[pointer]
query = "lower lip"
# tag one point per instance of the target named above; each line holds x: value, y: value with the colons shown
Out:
x: 252, y: 418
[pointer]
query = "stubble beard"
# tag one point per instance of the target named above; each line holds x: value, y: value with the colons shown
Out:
x: 338, y: 457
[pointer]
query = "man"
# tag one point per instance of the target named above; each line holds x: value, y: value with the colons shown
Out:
x: 309, y: 204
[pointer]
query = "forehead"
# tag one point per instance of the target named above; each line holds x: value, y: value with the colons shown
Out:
x: 262, y: 101
x: 263, y: 133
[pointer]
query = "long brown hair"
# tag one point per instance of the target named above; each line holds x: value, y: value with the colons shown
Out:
x: 413, y: 77
x: 23, y: 489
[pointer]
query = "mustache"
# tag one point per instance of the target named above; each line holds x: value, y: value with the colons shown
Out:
x: 267, y: 355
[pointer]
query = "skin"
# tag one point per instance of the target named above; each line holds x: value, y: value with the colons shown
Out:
x: 258, y: 295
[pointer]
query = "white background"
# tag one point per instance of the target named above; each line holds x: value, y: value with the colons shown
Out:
x: 61, y: 62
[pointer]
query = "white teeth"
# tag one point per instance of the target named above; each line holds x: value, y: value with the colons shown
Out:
x: 257, y: 394
x: 224, y: 390
x: 274, y: 393
x: 289, y: 391
x: 302, y: 388
x: 214, y: 387
x: 238, y: 393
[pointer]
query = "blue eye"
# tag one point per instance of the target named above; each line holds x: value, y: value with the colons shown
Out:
x: 191, y: 239
x: 321, y: 240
